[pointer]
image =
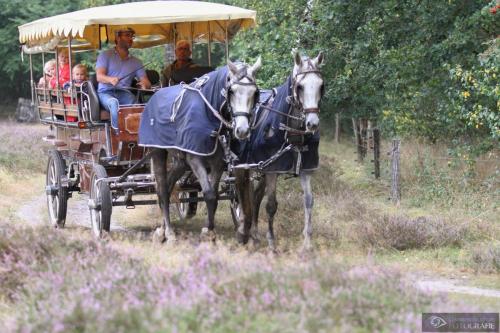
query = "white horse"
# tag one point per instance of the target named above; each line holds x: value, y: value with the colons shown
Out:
x: 296, y: 104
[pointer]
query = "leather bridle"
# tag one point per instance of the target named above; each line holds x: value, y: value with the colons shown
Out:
x: 296, y: 80
x: 242, y: 74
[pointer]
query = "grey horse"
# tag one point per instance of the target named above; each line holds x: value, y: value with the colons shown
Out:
x: 285, y: 141
x: 227, y: 99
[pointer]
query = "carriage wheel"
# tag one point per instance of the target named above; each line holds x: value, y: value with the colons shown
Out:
x: 187, y: 210
x: 100, y: 202
x: 57, y: 194
x: 236, y: 213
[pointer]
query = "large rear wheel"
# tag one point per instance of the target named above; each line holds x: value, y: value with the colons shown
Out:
x: 56, y: 189
x: 100, y: 203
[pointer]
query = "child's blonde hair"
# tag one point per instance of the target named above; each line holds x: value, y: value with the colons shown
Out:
x: 48, y: 65
x: 82, y: 67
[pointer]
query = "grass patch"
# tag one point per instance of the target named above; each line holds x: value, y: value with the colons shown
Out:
x: 74, y: 285
x: 485, y: 257
x: 404, y: 233
x: 22, y: 150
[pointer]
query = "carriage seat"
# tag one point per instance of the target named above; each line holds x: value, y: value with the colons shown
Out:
x: 188, y: 75
x: 90, y: 101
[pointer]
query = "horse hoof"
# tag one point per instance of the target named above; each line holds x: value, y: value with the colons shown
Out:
x: 273, y: 251
x: 207, y: 235
x: 158, y: 236
x: 242, y: 238
x: 306, y: 252
x: 255, y: 239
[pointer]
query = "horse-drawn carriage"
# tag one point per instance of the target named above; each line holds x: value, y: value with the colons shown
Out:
x: 89, y: 157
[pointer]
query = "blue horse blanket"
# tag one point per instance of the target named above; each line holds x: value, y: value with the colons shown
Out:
x: 191, y: 127
x: 260, y: 147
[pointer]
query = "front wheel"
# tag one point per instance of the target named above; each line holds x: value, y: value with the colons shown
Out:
x: 100, y: 203
x: 56, y: 190
x: 187, y: 210
x: 236, y: 213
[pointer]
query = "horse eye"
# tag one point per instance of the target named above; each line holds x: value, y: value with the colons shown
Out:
x: 300, y: 88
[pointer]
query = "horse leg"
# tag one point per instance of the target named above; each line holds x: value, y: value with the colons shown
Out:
x: 305, y: 182
x: 159, y: 166
x: 271, y: 207
x: 209, y: 193
x: 216, y: 170
x: 176, y: 171
x: 244, y: 191
x: 257, y: 200
x: 165, y: 182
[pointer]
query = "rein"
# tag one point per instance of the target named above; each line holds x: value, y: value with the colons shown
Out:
x: 196, y: 86
x: 215, y: 112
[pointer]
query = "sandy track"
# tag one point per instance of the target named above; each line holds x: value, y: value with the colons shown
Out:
x: 34, y: 212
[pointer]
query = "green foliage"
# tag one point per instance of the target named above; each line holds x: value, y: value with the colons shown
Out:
x: 388, y: 60
x: 476, y: 93
x: 274, y: 37
x: 14, y: 73
x: 426, y: 68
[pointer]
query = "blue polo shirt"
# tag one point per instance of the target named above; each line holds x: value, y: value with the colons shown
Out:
x: 115, y: 66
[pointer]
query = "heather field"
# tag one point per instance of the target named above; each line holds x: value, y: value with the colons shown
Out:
x: 375, y: 266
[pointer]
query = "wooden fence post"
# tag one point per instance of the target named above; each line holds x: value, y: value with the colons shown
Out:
x: 363, y: 130
x: 376, y: 152
x: 337, y: 127
x: 395, y: 172
x: 358, y: 139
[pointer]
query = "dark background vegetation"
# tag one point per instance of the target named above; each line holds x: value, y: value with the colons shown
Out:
x: 423, y: 68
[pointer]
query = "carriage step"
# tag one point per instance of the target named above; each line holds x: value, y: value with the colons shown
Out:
x: 52, y: 140
x: 246, y: 166
x: 78, y: 138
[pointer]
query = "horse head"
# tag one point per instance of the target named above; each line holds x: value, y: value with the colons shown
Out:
x: 242, y: 95
x: 307, y: 88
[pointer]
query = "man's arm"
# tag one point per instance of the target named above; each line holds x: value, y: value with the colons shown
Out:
x: 103, y: 78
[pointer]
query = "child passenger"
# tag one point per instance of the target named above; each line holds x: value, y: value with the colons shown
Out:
x: 49, y: 69
x: 64, y: 75
x: 79, y: 75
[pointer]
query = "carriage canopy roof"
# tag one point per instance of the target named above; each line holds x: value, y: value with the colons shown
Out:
x: 155, y: 23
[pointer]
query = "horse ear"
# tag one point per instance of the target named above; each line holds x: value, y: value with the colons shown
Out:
x: 297, y: 58
x: 255, y: 67
x: 232, y: 67
x: 319, y: 59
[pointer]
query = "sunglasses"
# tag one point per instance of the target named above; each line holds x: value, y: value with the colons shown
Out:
x: 128, y: 35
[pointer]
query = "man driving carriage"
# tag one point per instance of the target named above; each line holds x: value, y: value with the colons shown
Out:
x: 115, y: 70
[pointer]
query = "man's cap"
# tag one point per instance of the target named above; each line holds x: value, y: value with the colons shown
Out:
x: 120, y: 30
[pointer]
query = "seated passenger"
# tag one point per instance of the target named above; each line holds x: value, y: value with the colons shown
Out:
x: 64, y: 70
x: 79, y: 75
x: 115, y: 70
x: 182, y: 63
x: 49, y: 70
